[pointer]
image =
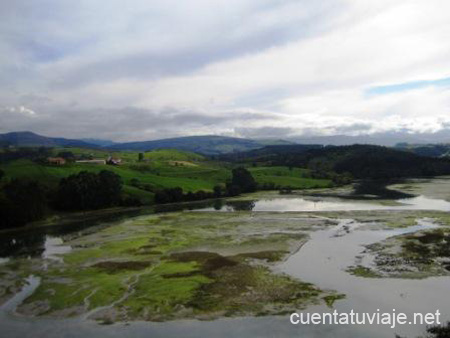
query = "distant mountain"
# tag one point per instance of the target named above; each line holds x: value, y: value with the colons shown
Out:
x: 208, y: 145
x: 388, y: 139
x: 426, y: 144
x: 99, y: 142
x: 27, y: 138
x: 273, y: 142
x: 429, y: 150
x: 270, y: 152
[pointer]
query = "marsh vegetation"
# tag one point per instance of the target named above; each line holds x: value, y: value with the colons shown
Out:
x: 250, y: 261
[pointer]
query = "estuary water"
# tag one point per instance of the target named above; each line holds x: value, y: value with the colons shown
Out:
x: 321, y: 261
x: 317, y: 204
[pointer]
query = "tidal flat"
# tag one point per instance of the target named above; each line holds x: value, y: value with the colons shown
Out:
x: 259, y: 255
x: 174, y: 266
x: 422, y: 254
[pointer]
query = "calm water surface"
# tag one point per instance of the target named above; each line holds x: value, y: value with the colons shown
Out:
x: 321, y: 261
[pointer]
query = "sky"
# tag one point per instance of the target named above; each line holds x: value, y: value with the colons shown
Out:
x: 141, y: 70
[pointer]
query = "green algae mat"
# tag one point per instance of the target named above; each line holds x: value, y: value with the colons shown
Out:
x: 173, y: 266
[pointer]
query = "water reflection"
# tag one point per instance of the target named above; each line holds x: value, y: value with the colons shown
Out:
x: 218, y: 204
x: 53, y: 247
x: 24, y: 242
x: 240, y: 206
x: 285, y: 204
x: 323, y: 261
x: 32, y: 241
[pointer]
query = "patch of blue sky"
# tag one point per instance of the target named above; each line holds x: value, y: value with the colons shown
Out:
x: 53, y: 50
x: 401, y: 87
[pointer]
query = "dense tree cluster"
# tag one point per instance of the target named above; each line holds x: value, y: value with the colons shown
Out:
x: 22, y: 202
x: 174, y: 195
x: 241, y: 182
x: 381, y: 162
x: 428, y: 150
x: 87, y: 190
x: 357, y: 161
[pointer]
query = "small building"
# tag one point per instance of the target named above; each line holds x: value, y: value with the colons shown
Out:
x: 56, y: 160
x: 113, y: 160
x: 95, y: 161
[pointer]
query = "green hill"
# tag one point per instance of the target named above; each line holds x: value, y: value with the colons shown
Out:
x: 162, y: 169
x: 173, y: 154
x: 295, y: 178
x: 361, y: 161
x: 208, y: 145
x: 29, y: 139
x: 205, y: 144
x: 159, y: 169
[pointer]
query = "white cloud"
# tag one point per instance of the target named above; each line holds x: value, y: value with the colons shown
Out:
x: 21, y: 110
x: 297, y: 64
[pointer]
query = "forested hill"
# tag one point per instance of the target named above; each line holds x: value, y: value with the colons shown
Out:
x: 270, y: 152
x: 429, y: 150
x: 29, y: 139
x: 361, y: 161
x: 208, y: 144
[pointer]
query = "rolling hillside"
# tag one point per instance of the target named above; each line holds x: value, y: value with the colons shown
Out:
x: 161, y: 169
x: 361, y: 161
x: 27, y: 138
x: 206, y: 145
x: 281, y: 177
x: 209, y: 145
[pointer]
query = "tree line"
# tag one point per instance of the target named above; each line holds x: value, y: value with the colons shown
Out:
x: 342, y: 163
x: 23, y: 201
x: 241, y: 181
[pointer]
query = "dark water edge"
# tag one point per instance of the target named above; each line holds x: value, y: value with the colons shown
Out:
x: 29, y: 241
x: 371, y: 189
x: 378, y: 189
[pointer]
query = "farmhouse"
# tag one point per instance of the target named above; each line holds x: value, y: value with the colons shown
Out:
x: 56, y: 160
x: 113, y: 160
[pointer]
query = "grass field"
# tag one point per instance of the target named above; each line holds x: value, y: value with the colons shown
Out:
x: 98, y: 153
x: 295, y: 178
x: 172, y: 155
x: 203, y: 179
x: 160, y: 169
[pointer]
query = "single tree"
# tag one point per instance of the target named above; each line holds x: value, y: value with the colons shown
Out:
x: 243, y: 179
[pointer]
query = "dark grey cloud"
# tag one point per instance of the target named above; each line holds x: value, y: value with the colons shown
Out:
x: 101, y: 38
x: 218, y: 47
x: 255, y: 68
x: 266, y: 132
x: 121, y: 124
x: 354, y: 128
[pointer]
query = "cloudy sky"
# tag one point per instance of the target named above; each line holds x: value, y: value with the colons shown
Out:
x: 138, y: 70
